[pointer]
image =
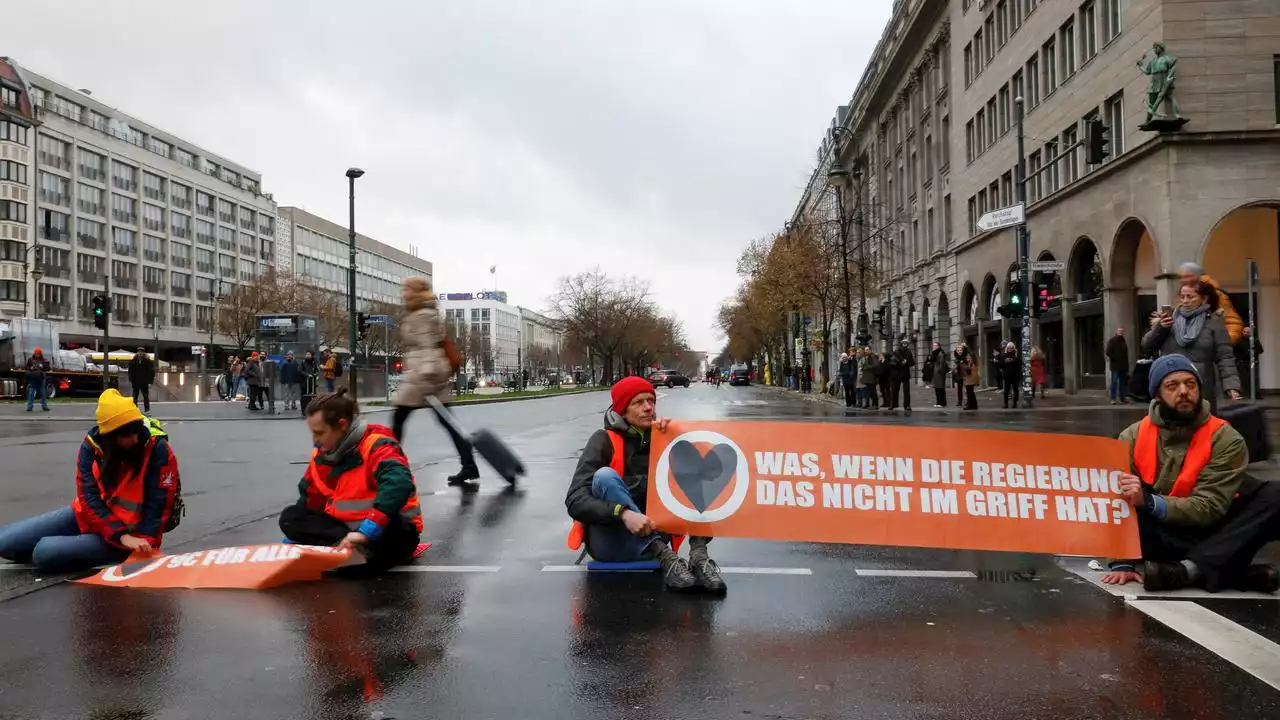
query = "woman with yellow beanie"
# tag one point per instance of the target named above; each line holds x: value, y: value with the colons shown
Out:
x: 127, y: 485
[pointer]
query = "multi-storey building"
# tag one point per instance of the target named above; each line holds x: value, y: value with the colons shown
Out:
x: 930, y: 142
x: 103, y: 203
x: 318, y: 253
x: 487, y: 328
x: 538, y: 332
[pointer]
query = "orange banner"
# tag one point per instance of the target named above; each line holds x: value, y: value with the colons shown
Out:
x: 886, y: 485
x: 251, y: 567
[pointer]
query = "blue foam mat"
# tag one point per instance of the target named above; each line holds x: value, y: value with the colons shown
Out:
x: 601, y: 566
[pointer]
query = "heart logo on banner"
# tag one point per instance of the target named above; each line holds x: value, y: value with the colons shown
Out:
x: 702, y: 478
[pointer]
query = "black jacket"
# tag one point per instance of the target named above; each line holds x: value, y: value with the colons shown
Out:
x: 902, y: 362
x: 1011, y: 367
x: 587, y: 508
x: 141, y: 371
x: 253, y: 373
x: 849, y: 371
x: 1118, y: 354
x: 36, y: 369
x: 290, y: 373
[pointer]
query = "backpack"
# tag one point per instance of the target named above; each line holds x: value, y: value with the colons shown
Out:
x: 337, y: 369
x: 179, y: 507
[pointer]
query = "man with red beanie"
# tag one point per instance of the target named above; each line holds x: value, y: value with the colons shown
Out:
x: 609, y: 488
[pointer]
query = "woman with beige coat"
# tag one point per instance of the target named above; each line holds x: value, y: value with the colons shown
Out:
x: 426, y: 370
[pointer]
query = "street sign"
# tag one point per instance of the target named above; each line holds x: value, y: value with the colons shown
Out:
x: 1048, y: 266
x: 197, y: 349
x: 1002, y: 218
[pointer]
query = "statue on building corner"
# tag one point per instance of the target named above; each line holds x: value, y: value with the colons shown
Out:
x: 1162, y: 69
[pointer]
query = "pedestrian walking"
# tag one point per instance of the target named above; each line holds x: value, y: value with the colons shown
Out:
x: 253, y: 379
x: 237, y: 374
x: 426, y: 372
x: 1117, y: 352
x: 1196, y: 330
x: 291, y: 382
x: 1010, y: 365
x: 936, y: 370
x: 142, y: 372
x: 35, y: 375
x: 869, y: 375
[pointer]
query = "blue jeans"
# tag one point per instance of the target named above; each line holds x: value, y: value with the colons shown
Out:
x: 613, y: 543
x: 1119, y: 389
x: 53, y: 542
x: 34, y: 389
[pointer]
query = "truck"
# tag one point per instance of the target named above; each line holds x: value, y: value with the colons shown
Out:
x: 70, y: 375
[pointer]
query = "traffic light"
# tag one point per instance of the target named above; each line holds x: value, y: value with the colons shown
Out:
x: 101, y: 311
x: 1013, y: 308
x: 1097, y: 142
x: 362, y: 325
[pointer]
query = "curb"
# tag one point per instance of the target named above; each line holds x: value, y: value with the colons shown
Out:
x: 383, y: 407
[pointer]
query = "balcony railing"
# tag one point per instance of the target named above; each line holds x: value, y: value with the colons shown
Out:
x: 126, y: 283
x: 88, y: 207
x: 150, y: 224
x: 181, y: 292
x: 153, y: 287
x: 89, y: 276
x: 90, y: 242
x: 180, y: 202
x: 181, y: 321
x: 153, y: 255
x: 179, y: 262
x: 55, y: 311
x: 56, y: 271
x: 204, y: 210
x: 88, y: 173
x: 179, y: 231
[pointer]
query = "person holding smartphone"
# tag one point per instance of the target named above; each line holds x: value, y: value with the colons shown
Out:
x: 1195, y: 330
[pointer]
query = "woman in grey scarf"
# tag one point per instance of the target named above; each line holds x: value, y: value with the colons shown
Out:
x: 1196, y: 330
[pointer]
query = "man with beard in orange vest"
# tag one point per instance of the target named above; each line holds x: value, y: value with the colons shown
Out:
x: 1201, y: 517
x: 358, y: 492
x: 127, y: 489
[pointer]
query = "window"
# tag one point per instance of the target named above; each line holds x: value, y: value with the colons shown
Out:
x: 124, y: 242
x: 1115, y: 119
x: 55, y: 226
x: 181, y: 316
x: 90, y: 268
x: 993, y: 192
x: 183, y: 157
x: 14, y: 290
x: 1033, y: 82
x: 930, y: 239
x: 928, y: 158
x: 181, y: 225
x: 226, y: 266
x: 1067, y: 44
x: 1049, y: 66
x: 1004, y: 104
x: 89, y: 234
x: 946, y: 220
x: 13, y: 211
x: 226, y: 239
x: 89, y: 199
x: 247, y: 270
x: 1016, y: 88
x: 204, y: 203
x: 8, y: 97
x: 1275, y: 74
x: 979, y: 55
x: 124, y: 209
x: 152, y: 217
x: 1033, y: 177
x: 92, y: 165
x: 153, y: 186
x: 989, y: 33
x: 153, y: 248
x: 12, y: 250
x: 153, y: 312
x: 248, y: 244
x: 266, y: 224
x: 982, y: 202
x: 153, y: 279
x: 53, y: 152
x: 124, y: 275
x: 124, y: 176
x: 991, y: 122
x: 179, y: 255
x: 1006, y: 189
x: 1088, y: 30
x: 205, y: 232
x: 945, y: 144
x: 159, y: 147
x: 180, y: 196
x: 268, y: 250
x: 13, y: 132
x: 55, y: 189
x: 970, y: 146
x: 54, y: 300
x: 1070, y: 158
x: 124, y: 308
x: 1003, y: 31
x: 1051, y: 167
x: 226, y: 211
x: 180, y: 284
x: 1111, y: 16
x: 204, y: 260
x: 247, y: 218
x: 980, y: 127
x: 13, y: 172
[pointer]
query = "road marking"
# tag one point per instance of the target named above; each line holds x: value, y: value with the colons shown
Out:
x: 1233, y: 642
x: 741, y: 403
x: 447, y: 568
x: 724, y: 570
x: 16, y: 566
x: 874, y: 572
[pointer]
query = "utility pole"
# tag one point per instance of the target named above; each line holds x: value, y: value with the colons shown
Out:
x: 106, y: 327
x: 352, y: 174
x: 1024, y: 251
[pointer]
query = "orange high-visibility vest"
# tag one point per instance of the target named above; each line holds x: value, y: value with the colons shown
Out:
x: 349, y: 496
x: 1199, y: 453
x: 125, y: 499
x: 578, y: 531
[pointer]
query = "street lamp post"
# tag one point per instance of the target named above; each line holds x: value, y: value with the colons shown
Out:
x: 352, y: 174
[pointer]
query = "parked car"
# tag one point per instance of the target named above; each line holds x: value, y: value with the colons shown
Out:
x: 740, y: 376
x: 670, y: 378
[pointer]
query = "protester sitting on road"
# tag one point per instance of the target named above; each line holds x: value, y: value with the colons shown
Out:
x: 426, y: 373
x: 1190, y: 274
x: 126, y: 486
x: 358, y: 491
x: 1201, y: 517
x: 1195, y: 329
x: 610, y: 486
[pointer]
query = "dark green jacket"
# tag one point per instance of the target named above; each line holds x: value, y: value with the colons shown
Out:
x: 1218, y: 482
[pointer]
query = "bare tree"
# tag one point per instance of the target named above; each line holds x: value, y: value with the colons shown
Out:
x: 601, y: 312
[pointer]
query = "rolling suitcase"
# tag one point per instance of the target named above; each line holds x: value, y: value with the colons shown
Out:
x: 494, y: 451
x: 1249, y: 420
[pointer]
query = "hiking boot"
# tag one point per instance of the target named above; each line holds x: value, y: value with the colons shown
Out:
x: 707, y: 573
x: 1164, y: 576
x: 464, y: 476
x: 675, y: 571
x: 1255, y: 578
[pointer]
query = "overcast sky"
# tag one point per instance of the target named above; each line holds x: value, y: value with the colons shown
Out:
x: 652, y: 139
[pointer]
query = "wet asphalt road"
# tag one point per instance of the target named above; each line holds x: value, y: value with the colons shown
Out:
x: 491, y: 634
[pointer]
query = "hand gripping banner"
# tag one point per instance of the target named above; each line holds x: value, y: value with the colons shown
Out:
x: 885, y: 485
x: 251, y: 567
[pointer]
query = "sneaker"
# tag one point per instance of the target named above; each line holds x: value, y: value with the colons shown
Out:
x: 464, y: 476
x: 1164, y: 576
x: 707, y: 573
x: 676, y: 574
